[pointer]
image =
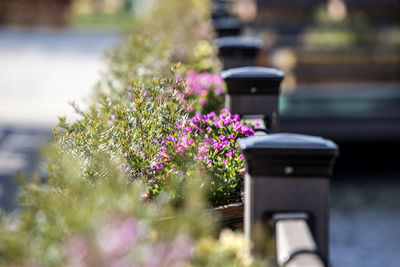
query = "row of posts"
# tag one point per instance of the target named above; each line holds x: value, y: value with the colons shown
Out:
x: 287, y: 180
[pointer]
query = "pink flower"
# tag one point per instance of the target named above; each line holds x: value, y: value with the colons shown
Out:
x: 219, y: 90
x: 187, y: 129
x: 212, y: 115
x: 237, y: 127
x: 189, y: 108
x: 218, y: 124
x: 202, y: 101
x: 116, y: 238
x: 145, y: 196
x: 224, y: 110
x: 247, y: 130
x: 75, y: 249
x: 225, y: 143
x: 236, y: 117
x: 190, y: 141
x: 159, y: 166
x: 203, y: 150
x: 218, y: 146
x: 222, y: 138
x: 171, y: 138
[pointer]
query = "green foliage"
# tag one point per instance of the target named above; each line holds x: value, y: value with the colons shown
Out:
x: 166, y: 33
x: 205, y: 144
x: 91, y: 211
x: 130, y: 125
x: 70, y: 222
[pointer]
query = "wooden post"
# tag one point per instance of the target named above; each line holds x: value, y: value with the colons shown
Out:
x: 254, y: 91
x: 288, y: 173
x: 238, y: 51
x: 227, y: 26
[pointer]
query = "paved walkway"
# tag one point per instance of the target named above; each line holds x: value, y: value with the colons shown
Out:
x: 41, y: 71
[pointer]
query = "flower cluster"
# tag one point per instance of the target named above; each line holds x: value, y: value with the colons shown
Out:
x: 206, y: 91
x: 207, y: 143
x: 126, y: 241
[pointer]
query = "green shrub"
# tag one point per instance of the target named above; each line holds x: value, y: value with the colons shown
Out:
x: 67, y: 222
x: 132, y: 143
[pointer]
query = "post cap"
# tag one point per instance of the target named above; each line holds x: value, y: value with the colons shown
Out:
x: 253, y: 80
x: 227, y: 26
x: 288, y: 154
x: 238, y: 42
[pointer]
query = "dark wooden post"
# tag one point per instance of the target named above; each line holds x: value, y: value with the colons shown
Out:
x: 238, y: 51
x: 227, y: 26
x: 254, y: 91
x: 288, y: 173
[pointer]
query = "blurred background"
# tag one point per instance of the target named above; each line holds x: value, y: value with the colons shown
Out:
x: 342, y: 64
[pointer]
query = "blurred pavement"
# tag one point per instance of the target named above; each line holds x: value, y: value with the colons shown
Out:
x: 41, y: 71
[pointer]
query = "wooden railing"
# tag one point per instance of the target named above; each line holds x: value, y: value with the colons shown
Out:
x: 295, y: 245
x: 287, y: 181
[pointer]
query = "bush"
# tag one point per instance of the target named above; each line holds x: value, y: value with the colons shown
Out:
x: 72, y: 223
x: 137, y: 140
x: 205, y: 144
x: 205, y: 90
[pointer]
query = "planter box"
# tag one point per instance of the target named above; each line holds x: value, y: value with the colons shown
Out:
x: 231, y: 215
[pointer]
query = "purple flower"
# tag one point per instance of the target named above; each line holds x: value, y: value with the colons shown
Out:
x: 187, y: 129
x: 202, y: 149
x: 202, y: 101
x: 247, y: 131
x: 219, y: 90
x: 238, y: 127
x: 222, y: 138
x: 190, y: 141
x: 204, y: 118
x: 171, y: 138
x: 76, y: 249
x: 236, y: 117
x: 145, y: 196
x: 224, y: 111
x: 218, y: 146
x: 118, y: 237
x: 218, y: 124
x: 196, y: 118
x: 158, y: 166
x: 212, y: 115
x: 189, y: 108
x: 181, y: 251
x: 225, y: 143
